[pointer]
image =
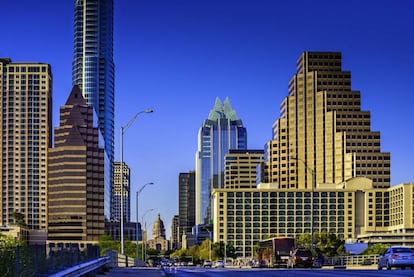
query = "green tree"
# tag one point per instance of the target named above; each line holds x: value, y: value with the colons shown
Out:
x: 375, y: 249
x: 204, y: 250
x: 194, y: 251
x: 179, y: 253
x: 327, y: 243
x: 106, y: 242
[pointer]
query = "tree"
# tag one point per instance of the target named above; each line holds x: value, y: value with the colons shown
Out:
x: 106, y: 242
x: 204, y: 250
x: 375, y: 249
x: 194, y: 251
x: 327, y: 243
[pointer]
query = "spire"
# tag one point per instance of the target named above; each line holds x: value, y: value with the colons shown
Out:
x: 222, y: 110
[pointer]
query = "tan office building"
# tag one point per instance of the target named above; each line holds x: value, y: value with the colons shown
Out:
x: 26, y: 116
x: 76, y: 175
x: 323, y: 143
x: 322, y: 129
x: 240, y: 168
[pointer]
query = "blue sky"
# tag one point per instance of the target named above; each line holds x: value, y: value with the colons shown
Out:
x: 177, y: 56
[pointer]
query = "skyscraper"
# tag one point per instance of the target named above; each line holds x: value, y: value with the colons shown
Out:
x: 26, y: 115
x: 322, y: 129
x: 219, y: 133
x: 93, y: 71
x: 76, y: 175
x: 321, y: 133
x: 116, y: 207
x: 186, y: 202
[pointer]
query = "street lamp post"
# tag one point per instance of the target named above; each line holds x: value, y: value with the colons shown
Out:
x: 123, y: 130
x: 136, y: 226
x: 144, y: 243
x: 312, y: 192
x: 209, y: 248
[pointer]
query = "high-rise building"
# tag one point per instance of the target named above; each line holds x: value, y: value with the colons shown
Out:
x: 241, y: 167
x: 26, y: 116
x: 219, y: 133
x: 324, y: 170
x: 186, y: 202
x: 116, y: 197
x: 322, y: 129
x: 76, y: 175
x: 93, y: 71
x: 175, y: 235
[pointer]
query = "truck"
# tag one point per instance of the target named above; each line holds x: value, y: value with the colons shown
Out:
x: 275, y: 252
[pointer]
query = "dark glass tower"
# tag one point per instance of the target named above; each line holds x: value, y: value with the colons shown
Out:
x: 93, y: 71
x: 220, y: 132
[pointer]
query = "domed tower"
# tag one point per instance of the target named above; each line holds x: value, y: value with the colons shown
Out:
x: 158, y: 229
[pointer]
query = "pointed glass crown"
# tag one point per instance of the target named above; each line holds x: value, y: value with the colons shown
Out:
x: 222, y: 110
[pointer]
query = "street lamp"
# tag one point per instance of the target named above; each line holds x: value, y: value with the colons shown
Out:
x: 123, y: 130
x: 144, y: 244
x: 136, y: 226
x: 313, y: 188
x: 209, y: 248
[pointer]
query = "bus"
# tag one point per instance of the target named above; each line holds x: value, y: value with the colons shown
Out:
x: 275, y: 251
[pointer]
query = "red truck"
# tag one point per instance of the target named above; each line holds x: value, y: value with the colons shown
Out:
x: 276, y: 251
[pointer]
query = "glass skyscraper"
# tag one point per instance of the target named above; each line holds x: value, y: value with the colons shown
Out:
x: 220, y: 132
x: 93, y: 71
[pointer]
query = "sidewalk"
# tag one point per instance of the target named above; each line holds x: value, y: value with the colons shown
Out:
x: 130, y: 271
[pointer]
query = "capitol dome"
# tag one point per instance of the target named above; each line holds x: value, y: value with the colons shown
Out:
x: 158, y: 229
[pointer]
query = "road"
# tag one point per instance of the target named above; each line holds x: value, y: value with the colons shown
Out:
x: 230, y: 272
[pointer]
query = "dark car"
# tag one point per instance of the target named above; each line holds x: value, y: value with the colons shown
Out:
x: 397, y: 256
x: 300, y: 258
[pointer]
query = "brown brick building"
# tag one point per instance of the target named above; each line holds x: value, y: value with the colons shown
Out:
x: 76, y: 175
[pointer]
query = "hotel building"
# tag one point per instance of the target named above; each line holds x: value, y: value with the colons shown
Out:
x: 26, y: 116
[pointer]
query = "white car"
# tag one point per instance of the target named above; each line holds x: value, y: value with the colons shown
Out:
x: 207, y: 264
x: 219, y: 264
x: 397, y: 256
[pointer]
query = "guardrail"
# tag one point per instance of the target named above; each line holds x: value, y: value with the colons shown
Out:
x: 84, y: 268
x: 352, y: 260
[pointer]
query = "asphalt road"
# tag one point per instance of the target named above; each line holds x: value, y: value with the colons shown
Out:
x: 230, y: 272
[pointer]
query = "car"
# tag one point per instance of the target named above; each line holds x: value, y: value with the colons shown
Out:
x: 219, y: 264
x: 300, y: 257
x: 396, y: 256
x: 207, y: 264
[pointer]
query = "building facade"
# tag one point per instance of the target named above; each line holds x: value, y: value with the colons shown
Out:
x: 175, y: 233
x: 26, y: 116
x: 93, y: 71
x: 219, y: 133
x: 324, y: 159
x: 354, y: 211
x: 186, y: 201
x: 76, y: 175
x: 240, y: 168
x: 117, y: 192
x: 322, y: 129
